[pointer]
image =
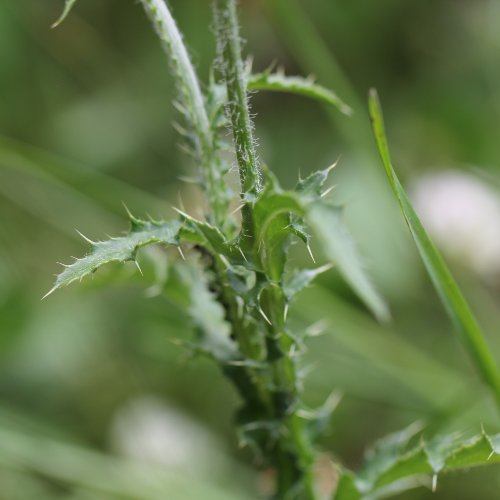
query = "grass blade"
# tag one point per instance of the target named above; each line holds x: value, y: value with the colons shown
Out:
x: 448, y: 290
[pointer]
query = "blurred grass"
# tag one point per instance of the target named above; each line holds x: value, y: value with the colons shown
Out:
x: 85, y: 125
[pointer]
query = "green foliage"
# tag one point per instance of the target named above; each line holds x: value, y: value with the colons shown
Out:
x: 121, y: 249
x: 394, y: 466
x: 448, y: 291
x: 326, y: 220
x: 237, y: 281
x: 279, y: 82
x: 98, y: 474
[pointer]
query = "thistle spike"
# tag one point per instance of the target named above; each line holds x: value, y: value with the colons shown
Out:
x: 179, y: 249
x: 50, y: 292
x: 326, y: 192
x: 238, y: 208
x: 264, y: 316
x: 242, y: 254
x: 310, y: 253
x: 138, y: 267
x: 88, y: 240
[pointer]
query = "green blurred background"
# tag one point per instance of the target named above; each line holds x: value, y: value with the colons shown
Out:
x: 86, y: 124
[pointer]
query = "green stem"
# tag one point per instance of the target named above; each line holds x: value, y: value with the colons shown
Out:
x: 238, y: 109
x: 294, y: 452
x: 194, y: 106
x: 289, y: 451
x: 232, y: 67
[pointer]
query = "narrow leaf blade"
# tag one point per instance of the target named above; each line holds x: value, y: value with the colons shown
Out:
x: 448, y: 290
x: 338, y: 245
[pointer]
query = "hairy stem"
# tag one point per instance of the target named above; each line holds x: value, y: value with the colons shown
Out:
x: 286, y: 445
x: 229, y: 47
x: 194, y: 107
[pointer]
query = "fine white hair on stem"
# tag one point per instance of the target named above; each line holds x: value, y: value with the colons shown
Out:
x: 192, y: 105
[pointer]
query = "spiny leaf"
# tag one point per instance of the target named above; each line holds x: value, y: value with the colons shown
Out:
x: 121, y: 249
x: 273, y: 227
x: 208, y: 236
x: 279, y: 82
x: 299, y: 279
x: 326, y: 220
x: 273, y: 224
x: 385, y: 453
x: 448, y: 290
x: 68, y: 5
x: 312, y: 185
x: 392, y: 467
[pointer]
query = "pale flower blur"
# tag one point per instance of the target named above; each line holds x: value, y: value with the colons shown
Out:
x: 462, y: 215
x: 148, y: 430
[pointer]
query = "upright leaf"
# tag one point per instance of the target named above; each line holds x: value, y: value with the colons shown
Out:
x: 448, y: 290
x: 326, y: 220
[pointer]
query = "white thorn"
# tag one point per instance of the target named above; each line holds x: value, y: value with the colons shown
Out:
x: 184, y: 214
x: 50, y: 292
x: 264, y: 316
x: 328, y: 191
x: 139, y: 267
x: 179, y: 129
x: 434, y: 483
x: 310, y: 253
x: 88, y: 240
x: 238, y: 208
x: 242, y: 254
x: 490, y: 455
x: 179, y: 249
x: 129, y: 213
x: 285, y: 311
x: 333, y: 165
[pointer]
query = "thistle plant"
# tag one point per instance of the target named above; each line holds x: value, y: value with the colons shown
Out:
x: 235, y: 279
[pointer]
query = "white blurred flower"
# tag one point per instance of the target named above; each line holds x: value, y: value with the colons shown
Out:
x: 462, y: 215
x: 148, y: 431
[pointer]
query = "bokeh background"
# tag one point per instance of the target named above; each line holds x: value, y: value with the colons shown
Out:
x: 92, y: 386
